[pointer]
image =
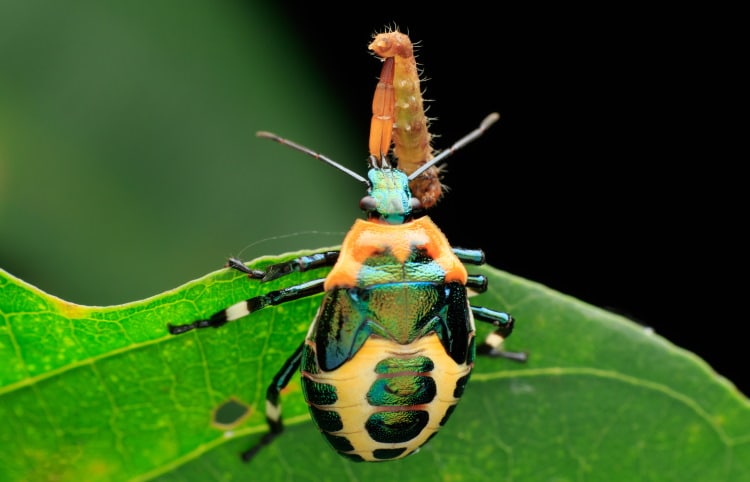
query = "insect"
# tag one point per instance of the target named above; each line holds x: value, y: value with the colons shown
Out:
x: 391, y: 348
x: 399, y: 109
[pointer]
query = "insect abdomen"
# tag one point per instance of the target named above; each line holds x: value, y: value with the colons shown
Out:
x: 388, y: 400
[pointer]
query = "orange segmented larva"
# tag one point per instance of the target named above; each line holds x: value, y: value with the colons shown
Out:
x: 411, y: 137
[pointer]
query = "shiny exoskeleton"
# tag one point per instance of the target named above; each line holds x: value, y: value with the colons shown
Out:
x: 389, y: 353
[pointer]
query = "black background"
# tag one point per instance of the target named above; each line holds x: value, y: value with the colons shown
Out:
x: 605, y: 179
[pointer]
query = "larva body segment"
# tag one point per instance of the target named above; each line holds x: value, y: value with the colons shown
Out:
x: 411, y: 136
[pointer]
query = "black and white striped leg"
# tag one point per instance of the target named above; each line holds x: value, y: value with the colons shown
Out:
x: 492, y: 345
x: 244, y: 308
x: 296, y: 265
x: 273, y: 403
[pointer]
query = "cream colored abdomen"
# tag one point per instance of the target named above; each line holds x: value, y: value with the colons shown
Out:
x: 355, y: 378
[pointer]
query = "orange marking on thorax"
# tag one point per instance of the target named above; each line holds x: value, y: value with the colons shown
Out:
x: 367, y: 238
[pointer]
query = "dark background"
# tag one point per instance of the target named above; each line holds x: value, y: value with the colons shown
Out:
x: 604, y: 178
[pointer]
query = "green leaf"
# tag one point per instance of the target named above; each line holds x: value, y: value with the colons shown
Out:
x: 133, y: 127
x: 105, y: 393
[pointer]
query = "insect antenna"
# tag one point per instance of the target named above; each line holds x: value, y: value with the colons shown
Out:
x: 471, y: 136
x: 310, y: 152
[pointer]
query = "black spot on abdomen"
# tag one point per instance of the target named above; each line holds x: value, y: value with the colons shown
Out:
x: 397, y: 426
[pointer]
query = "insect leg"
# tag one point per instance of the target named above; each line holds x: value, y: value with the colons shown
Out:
x: 492, y: 345
x: 470, y: 256
x: 273, y: 403
x: 296, y: 265
x: 477, y: 282
x: 244, y: 308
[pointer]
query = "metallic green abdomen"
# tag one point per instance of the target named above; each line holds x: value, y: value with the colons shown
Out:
x: 379, y: 395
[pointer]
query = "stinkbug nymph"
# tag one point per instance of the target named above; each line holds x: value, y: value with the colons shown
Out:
x: 390, y: 351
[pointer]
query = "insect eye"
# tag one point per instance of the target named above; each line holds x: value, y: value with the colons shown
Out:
x: 367, y: 203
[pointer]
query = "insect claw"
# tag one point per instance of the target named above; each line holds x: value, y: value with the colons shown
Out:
x: 179, y: 329
x: 518, y: 356
x: 235, y: 263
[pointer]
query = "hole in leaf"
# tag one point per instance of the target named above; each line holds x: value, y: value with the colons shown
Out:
x: 230, y: 414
